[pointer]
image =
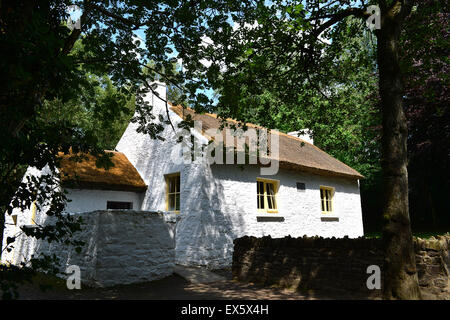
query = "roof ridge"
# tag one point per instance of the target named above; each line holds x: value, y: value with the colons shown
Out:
x: 248, y: 123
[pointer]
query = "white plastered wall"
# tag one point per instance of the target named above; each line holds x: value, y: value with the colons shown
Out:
x: 85, y: 200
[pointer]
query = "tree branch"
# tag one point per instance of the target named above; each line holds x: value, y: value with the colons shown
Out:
x: 334, y: 18
x: 75, y: 34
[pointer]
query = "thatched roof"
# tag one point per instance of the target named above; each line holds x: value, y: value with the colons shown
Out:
x: 123, y: 176
x: 294, y: 153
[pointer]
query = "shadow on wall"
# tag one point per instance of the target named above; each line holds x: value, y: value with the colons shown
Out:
x: 222, y: 222
x: 121, y: 247
x: 204, y: 232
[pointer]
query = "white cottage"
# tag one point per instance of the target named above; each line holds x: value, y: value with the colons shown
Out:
x: 310, y: 194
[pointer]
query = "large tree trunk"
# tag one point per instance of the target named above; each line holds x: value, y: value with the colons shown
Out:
x: 399, y: 271
x: 2, y: 228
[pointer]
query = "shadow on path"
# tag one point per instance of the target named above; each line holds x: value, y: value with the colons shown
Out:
x: 174, y: 287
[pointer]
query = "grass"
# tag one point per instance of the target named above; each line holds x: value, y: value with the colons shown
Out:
x: 47, y: 281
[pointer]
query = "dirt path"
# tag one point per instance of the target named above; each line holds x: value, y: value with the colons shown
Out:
x: 171, y: 288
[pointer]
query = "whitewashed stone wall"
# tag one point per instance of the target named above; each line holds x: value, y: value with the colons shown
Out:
x: 218, y: 203
x: 233, y: 211
x: 121, y: 247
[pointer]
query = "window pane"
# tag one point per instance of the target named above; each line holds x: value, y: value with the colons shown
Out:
x: 271, y: 202
x: 271, y: 195
x: 326, y: 196
x: 260, y: 194
x: 177, y: 186
x: 260, y: 187
x: 261, y: 201
x: 177, y: 199
x: 173, y: 192
x: 171, y: 184
x: 270, y: 189
x: 171, y: 202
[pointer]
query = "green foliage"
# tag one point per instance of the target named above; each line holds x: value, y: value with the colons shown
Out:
x: 340, y: 110
x: 37, y: 271
x: 103, y: 113
x: 425, y: 52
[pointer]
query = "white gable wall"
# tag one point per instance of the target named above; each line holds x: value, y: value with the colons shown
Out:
x: 153, y: 159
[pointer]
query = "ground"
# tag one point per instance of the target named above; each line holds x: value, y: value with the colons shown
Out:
x: 175, y: 287
x: 185, y: 284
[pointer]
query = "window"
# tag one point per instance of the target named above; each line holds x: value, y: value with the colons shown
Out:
x: 173, y: 192
x: 267, y: 195
x: 33, y: 212
x: 326, y: 199
x: 119, y: 205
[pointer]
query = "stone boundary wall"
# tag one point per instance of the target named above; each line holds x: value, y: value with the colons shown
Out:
x: 337, y: 265
x: 121, y: 247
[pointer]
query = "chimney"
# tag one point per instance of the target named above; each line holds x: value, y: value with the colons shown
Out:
x: 307, y: 136
x: 158, y: 101
x: 161, y: 90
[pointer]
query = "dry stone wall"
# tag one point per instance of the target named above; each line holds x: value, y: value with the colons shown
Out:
x: 338, y: 265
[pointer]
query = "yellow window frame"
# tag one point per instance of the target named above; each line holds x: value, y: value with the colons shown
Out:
x: 276, y: 184
x: 167, y: 178
x: 326, y: 199
x: 33, y: 212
